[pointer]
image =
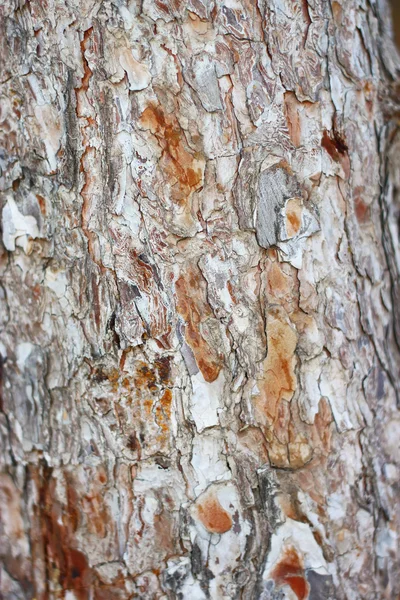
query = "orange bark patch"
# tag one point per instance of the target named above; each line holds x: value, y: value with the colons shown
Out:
x: 192, y: 305
x: 182, y: 169
x: 293, y: 216
x: 278, y: 382
x: 337, y: 149
x: 322, y: 425
x: 290, y: 571
x: 279, y: 284
x: 198, y: 25
x: 275, y: 387
x: 334, y: 146
x: 214, y: 518
x: 292, y: 118
x: 361, y: 210
x: 337, y: 11
x: 293, y: 109
x: 42, y: 204
x: 65, y: 564
x: 87, y: 73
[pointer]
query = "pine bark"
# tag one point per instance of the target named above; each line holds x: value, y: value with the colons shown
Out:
x: 200, y: 300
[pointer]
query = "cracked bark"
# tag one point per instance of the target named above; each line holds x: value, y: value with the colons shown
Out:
x: 199, y: 300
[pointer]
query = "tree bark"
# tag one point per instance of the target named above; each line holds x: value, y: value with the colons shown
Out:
x: 200, y: 300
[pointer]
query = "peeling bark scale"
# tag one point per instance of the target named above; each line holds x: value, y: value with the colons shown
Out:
x: 199, y: 300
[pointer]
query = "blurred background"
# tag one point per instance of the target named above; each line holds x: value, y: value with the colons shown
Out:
x: 395, y: 4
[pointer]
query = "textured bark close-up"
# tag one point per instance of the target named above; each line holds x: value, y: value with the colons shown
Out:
x: 199, y: 300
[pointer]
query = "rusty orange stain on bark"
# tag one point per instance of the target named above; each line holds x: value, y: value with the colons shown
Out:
x: 166, y: 402
x: 87, y: 70
x: 213, y: 516
x: 145, y: 377
x: 126, y: 383
x: 276, y: 384
x: 182, y: 168
x: 112, y: 376
x: 164, y: 531
x: 292, y: 508
x: 163, y: 411
x: 193, y: 306
x: 148, y: 405
x: 290, y: 571
x: 97, y: 515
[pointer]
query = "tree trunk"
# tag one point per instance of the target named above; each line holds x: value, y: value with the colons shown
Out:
x: 200, y: 300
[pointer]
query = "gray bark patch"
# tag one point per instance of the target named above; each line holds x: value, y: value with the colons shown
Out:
x: 275, y: 186
x: 321, y: 586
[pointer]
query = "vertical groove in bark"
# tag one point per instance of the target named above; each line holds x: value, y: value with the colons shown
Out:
x: 199, y: 300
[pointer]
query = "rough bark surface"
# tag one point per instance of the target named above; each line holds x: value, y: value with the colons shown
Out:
x: 200, y: 298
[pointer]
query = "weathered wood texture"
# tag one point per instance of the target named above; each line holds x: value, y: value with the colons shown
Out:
x: 200, y: 299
